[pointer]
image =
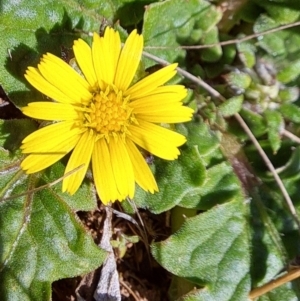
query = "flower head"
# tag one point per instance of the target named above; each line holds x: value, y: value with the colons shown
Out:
x: 103, y: 118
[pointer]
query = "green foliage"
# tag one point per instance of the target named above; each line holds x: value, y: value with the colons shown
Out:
x: 231, y: 229
x: 206, y: 248
x: 291, y: 112
x: 247, y: 53
x: 286, y: 292
x: 275, y: 124
x: 232, y: 106
x: 41, y: 239
x: 176, y: 31
x: 290, y: 72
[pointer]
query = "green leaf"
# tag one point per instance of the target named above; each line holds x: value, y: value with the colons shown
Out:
x: 275, y: 234
x: 128, y: 12
x: 41, y: 237
x: 291, y: 112
x: 238, y: 80
x: 292, y: 167
x: 213, y: 70
x: 246, y: 51
x: 275, y: 124
x: 254, y: 121
x: 220, y: 185
x: 43, y: 242
x: 273, y: 43
x: 160, y: 28
x: 283, y: 11
x: 199, y: 134
x: 214, y: 53
x: 29, y: 30
x: 208, y: 18
x: 12, y: 132
x: 231, y: 106
x: 211, y: 250
x: 268, y: 252
x: 83, y: 200
x: 290, y: 72
x: 195, y: 36
x: 289, y: 94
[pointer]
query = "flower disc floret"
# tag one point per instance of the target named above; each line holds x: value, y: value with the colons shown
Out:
x: 109, y: 114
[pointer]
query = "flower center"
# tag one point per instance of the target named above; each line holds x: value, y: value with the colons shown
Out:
x: 109, y: 113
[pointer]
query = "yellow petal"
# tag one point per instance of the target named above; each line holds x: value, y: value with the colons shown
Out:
x: 103, y: 175
x: 151, y: 82
x: 142, y: 173
x: 50, y: 111
x: 81, y: 156
x: 177, y: 89
x: 83, y: 54
x: 159, y: 97
x: 157, y: 140
x: 37, y: 162
x: 35, y: 78
x: 167, y: 114
x: 106, y: 51
x: 129, y: 60
x: 65, y: 78
x: 46, y: 140
x: 122, y: 168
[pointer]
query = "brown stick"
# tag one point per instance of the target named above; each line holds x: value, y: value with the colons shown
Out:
x: 291, y: 275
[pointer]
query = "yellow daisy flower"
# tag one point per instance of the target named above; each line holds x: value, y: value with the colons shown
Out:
x: 103, y: 118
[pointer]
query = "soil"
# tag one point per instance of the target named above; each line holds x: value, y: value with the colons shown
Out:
x: 140, y: 276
